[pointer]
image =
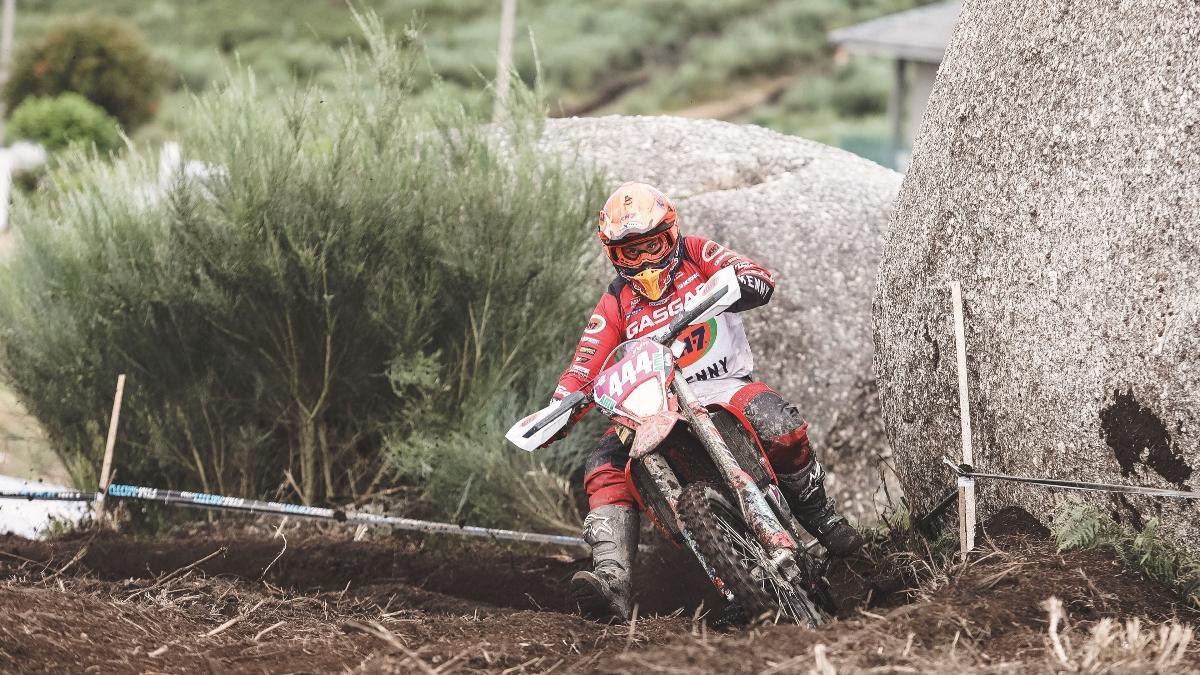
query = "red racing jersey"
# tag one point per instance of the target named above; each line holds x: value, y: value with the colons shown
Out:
x: 717, y: 349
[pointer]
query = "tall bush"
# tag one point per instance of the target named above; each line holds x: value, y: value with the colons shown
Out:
x: 103, y: 59
x: 359, y: 270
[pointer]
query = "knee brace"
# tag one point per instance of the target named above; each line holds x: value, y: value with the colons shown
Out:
x: 781, y: 430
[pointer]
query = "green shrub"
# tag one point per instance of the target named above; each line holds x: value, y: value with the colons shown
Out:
x: 776, y: 40
x: 348, y: 294
x: 861, y: 90
x: 808, y: 95
x: 101, y: 58
x: 58, y: 121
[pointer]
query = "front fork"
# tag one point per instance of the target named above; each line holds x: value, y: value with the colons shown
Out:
x: 755, y: 507
x: 668, y: 486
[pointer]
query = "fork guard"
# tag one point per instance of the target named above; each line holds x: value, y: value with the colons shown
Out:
x: 651, y: 432
x: 758, y: 513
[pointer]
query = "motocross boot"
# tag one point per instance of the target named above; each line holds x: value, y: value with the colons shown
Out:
x: 805, y: 493
x: 605, y: 593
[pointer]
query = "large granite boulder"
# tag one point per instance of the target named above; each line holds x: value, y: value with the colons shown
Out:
x: 816, y: 217
x: 1057, y: 174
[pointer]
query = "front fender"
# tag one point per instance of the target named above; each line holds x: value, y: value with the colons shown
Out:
x: 652, y: 431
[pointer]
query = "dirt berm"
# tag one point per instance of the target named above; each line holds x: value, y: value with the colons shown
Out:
x: 321, y: 603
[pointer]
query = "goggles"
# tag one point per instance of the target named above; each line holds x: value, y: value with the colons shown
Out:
x: 652, y: 249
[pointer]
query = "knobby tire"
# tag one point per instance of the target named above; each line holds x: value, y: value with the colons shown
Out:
x: 706, y: 513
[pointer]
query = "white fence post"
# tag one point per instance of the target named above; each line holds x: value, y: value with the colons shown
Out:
x: 508, y: 17
x: 966, y: 486
x: 170, y: 160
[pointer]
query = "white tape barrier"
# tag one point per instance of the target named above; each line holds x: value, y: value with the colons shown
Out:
x: 221, y: 502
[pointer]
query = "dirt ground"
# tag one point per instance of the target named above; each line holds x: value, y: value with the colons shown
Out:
x: 294, y: 600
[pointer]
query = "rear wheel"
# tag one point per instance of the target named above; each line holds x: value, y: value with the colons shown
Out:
x: 740, y: 561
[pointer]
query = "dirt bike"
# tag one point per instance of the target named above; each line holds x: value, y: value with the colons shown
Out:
x: 699, y: 472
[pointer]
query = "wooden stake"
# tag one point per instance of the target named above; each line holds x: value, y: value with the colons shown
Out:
x: 966, y: 486
x: 508, y: 19
x: 106, y: 468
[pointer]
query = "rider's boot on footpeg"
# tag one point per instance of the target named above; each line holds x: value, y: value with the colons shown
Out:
x: 805, y: 492
x: 605, y: 593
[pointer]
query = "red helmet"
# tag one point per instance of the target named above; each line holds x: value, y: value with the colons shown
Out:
x: 638, y: 229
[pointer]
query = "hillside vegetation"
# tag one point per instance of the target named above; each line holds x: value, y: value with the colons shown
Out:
x: 625, y: 56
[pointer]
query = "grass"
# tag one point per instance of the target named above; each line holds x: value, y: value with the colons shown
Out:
x: 1113, y: 646
x: 930, y: 612
x: 896, y: 542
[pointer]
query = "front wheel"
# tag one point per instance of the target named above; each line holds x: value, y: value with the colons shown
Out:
x: 740, y: 561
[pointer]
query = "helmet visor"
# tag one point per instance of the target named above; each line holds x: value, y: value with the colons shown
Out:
x: 634, y: 254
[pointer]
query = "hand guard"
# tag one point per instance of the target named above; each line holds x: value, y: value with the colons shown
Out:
x: 575, y: 417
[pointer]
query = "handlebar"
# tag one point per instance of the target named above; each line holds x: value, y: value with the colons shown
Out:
x: 684, y: 320
x: 567, y: 404
x: 575, y: 399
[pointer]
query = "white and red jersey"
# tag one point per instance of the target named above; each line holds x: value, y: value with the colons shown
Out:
x: 714, y: 351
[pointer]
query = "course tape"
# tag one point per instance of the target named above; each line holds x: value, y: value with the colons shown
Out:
x: 966, y: 472
x: 51, y: 495
x: 209, y: 501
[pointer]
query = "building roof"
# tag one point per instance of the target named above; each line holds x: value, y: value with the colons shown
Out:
x: 918, y: 34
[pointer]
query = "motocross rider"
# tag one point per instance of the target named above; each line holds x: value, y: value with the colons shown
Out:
x: 657, y: 270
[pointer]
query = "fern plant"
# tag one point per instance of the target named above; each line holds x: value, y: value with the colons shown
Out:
x: 1078, y: 526
x: 1081, y: 526
x: 1153, y: 555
